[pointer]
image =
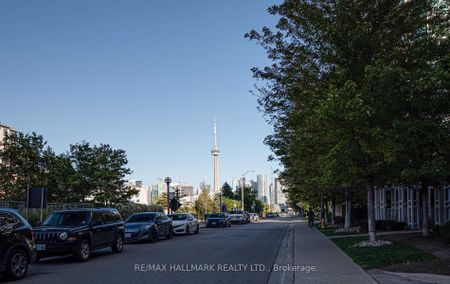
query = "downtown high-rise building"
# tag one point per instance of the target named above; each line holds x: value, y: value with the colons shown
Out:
x: 235, y: 184
x: 279, y: 195
x: 262, y: 189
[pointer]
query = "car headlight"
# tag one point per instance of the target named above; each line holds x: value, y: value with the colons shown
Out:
x: 63, y: 236
x: 146, y: 227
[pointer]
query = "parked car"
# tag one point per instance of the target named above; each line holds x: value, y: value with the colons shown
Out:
x: 238, y: 217
x: 79, y: 232
x: 254, y: 217
x: 17, y: 249
x: 218, y: 220
x: 272, y: 215
x: 247, y: 217
x: 148, y: 226
x: 184, y: 223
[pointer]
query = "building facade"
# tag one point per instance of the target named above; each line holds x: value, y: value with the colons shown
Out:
x: 5, y: 131
x: 262, y: 190
x: 403, y: 204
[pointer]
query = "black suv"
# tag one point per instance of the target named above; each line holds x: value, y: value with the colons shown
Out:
x: 17, y: 249
x: 79, y: 232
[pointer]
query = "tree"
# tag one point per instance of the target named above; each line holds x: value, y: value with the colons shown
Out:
x: 205, y: 204
x: 22, y: 164
x: 227, y: 191
x: 59, y: 178
x: 100, y: 173
x: 334, y: 116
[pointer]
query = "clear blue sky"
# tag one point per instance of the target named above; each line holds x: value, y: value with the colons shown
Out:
x: 144, y: 76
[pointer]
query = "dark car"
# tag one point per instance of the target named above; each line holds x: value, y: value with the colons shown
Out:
x: 272, y: 215
x: 17, y: 249
x: 79, y: 232
x: 148, y: 226
x: 247, y: 217
x: 218, y: 220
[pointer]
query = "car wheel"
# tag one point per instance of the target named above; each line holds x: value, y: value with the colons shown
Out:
x: 198, y: 229
x: 153, y: 236
x: 170, y: 234
x: 187, y: 231
x: 83, y: 251
x: 118, y: 244
x: 17, y: 265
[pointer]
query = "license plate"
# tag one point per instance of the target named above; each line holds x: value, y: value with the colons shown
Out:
x: 40, y: 247
x: 213, y: 223
x: 127, y: 236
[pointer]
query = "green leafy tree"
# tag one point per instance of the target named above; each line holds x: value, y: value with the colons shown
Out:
x: 100, y: 173
x: 22, y: 164
x: 204, y: 204
x: 227, y: 191
x: 335, y: 117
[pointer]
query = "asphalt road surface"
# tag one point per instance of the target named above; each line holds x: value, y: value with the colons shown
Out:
x: 239, y: 254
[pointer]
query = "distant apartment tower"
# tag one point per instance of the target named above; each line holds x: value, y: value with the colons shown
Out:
x: 262, y: 191
x: 184, y: 189
x: 280, y: 196
x: 234, y: 184
x: 143, y: 192
x: 5, y: 131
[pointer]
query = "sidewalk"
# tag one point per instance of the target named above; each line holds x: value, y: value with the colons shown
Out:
x: 312, y: 248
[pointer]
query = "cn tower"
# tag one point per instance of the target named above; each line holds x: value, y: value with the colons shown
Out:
x: 215, y: 152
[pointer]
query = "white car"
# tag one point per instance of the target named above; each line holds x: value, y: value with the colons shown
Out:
x: 184, y: 223
x: 238, y: 216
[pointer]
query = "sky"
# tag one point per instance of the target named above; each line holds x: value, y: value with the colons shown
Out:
x: 145, y: 76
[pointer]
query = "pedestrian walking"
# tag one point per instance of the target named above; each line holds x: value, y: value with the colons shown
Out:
x: 311, y: 216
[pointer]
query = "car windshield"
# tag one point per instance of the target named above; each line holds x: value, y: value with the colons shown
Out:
x: 68, y: 219
x: 177, y: 217
x: 216, y: 215
x: 236, y: 212
x: 141, y: 218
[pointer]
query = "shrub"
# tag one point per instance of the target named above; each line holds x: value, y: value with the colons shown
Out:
x: 390, y: 225
x: 445, y: 232
x: 127, y: 209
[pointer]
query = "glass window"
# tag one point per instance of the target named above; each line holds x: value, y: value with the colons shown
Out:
x: 141, y: 218
x: 67, y: 219
x: 108, y: 217
x: 116, y: 216
x: 97, y: 217
x: 7, y: 219
x: 177, y: 217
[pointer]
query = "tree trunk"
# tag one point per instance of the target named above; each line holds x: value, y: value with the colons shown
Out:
x: 321, y: 207
x: 371, y: 212
x: 333, y: 210
x: 348, y: 209
x: 326, y: 211
x: 424, y: 198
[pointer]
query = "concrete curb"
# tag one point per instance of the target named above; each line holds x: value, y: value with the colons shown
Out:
x: 285, y: 257
x: 387, y: 277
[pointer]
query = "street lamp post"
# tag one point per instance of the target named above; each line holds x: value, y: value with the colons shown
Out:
x: 242, y: 188
x: 220, y: 201
x: 168, y: 180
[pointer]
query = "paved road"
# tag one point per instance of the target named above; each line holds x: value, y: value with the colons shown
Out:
x: 250, y: 245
